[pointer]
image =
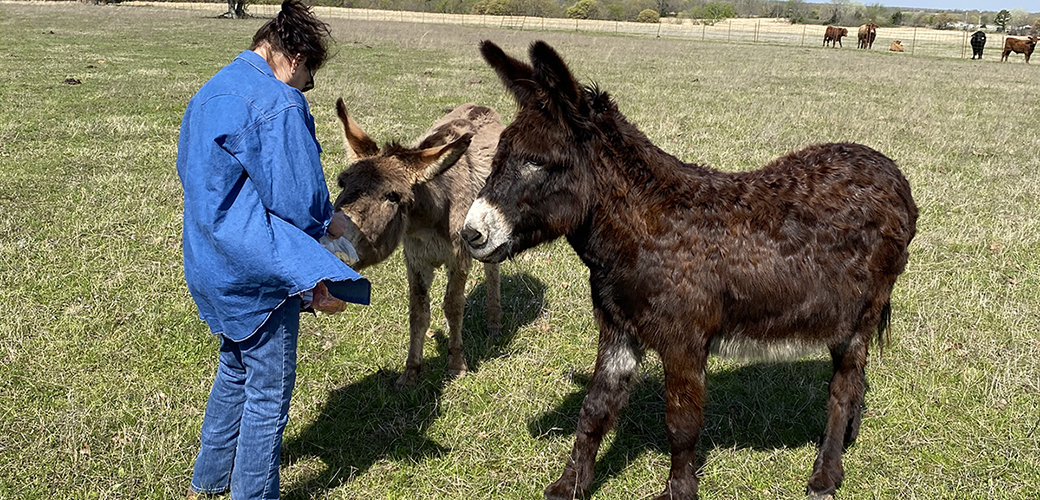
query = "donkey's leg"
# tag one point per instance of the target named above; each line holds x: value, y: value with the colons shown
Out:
x: 684, y: 373
x: 616, y: 362
x: 844, y: 412
x: 420, y: 276
x: 454, y: 306
x: 493, y: 285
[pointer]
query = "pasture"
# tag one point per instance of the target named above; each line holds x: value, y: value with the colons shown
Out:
x: 105, y: 366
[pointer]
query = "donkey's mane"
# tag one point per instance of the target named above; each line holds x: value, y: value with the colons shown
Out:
x: 394, y: 148
x: 613, y: 126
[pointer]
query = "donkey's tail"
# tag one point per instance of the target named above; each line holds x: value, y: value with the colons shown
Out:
x: 884, y: 336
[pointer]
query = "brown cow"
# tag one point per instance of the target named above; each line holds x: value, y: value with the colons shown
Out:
x: 896, y: 46
x: 867, y: 34
x: 1020, y: 46
x: 834, y: 34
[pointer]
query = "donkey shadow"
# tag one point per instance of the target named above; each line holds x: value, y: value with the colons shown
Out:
x: 761, y: 406
x: 371, y: 419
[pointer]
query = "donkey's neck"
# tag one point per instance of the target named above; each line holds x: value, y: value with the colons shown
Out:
x: 640, y: 191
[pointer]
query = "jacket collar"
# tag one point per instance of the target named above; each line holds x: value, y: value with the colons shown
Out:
x: 254, y: 60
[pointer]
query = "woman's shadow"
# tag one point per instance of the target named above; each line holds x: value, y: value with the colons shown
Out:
x: 371, y: 419
x: 762, y: 406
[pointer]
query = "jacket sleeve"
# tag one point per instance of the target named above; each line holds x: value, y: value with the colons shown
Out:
x: 281, y: 157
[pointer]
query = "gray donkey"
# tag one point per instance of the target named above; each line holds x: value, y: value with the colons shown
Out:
x: 421, y: 195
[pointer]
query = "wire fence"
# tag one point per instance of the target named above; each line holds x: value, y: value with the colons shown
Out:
x: 915, y: 41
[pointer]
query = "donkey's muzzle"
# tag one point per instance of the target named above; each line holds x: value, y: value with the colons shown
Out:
x: 474, y: 238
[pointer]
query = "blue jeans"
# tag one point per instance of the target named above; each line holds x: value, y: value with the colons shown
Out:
x: 248, y: 408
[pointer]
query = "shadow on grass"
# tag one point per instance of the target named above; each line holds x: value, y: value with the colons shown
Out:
x: 371, y: 419
x: 763, y: 406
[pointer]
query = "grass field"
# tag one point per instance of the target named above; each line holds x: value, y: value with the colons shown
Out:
x: 105, y: 367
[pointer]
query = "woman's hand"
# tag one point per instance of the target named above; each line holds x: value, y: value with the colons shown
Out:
x: 324, y: 302
x: 337, y: 225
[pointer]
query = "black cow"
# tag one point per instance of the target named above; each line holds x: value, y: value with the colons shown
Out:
x: 978, y: 42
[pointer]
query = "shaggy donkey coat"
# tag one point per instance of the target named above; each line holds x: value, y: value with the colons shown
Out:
x: 420, y: 195
x: 684, y: 259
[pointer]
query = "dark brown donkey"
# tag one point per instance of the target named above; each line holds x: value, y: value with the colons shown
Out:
x: 686, y: 260
x: 420, y: 195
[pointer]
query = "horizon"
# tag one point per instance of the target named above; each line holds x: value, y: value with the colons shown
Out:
x: 980, y: 5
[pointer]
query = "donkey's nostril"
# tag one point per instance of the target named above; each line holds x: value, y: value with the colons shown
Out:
x: 473, y: 238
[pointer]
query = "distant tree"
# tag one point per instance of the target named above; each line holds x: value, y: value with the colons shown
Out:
x: 494, y: 7
x: 875, y: 13
x: 717, y: 11
x: 584, y: 9
x: 983, y: 21
x: 648, y: 16
x: 236, y: 9
x: 453, y: 6
x: 942, y: 21
x: 920, y: 19
x: 537, y: 8
x: 616, y: 12
x: 838, y: 8
x: 795, y: 11
x: 632, y: 8
x: 673, y: 7
x: 1002, y: 20
x: 1019, y: 18
x: 897, y: 18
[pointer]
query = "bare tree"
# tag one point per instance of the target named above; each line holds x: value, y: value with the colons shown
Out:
x: 839, y: 7
x: 236, y: 9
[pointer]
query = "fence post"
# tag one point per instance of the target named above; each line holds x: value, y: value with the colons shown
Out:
x: 913, y: 44
x: 729, y: 28
x: 659, y: 23
x: 757, y: 26
x: 704, y: 27
x: 803, y: 34
x: 964, y: 41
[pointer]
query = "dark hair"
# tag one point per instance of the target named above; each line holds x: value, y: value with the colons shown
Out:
x: 295, y: 30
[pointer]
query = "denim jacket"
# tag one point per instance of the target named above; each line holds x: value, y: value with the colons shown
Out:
x: 255, y: 200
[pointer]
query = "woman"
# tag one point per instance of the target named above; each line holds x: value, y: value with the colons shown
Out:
x: 255, y: 204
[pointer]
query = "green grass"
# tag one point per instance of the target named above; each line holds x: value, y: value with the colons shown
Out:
x: 105, y: 367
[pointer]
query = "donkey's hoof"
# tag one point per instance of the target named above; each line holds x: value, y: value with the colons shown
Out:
x: 408, y: 379
x: 679, y: 489
x: 561, y: 490
x: 819, y: 493
x: 457, y: 365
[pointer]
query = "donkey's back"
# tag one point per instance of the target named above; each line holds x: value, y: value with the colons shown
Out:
x: 446, y: 198
x: 800, y: 249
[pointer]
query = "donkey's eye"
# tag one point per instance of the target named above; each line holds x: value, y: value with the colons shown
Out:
x: 530, y: 167
x: 393, y: 197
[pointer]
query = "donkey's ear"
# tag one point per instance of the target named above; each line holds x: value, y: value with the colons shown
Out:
x: 552, y: 74
x: 357, y: 141
x: 514, y: 74
x: 563, y: 98
x: 438, y: 159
